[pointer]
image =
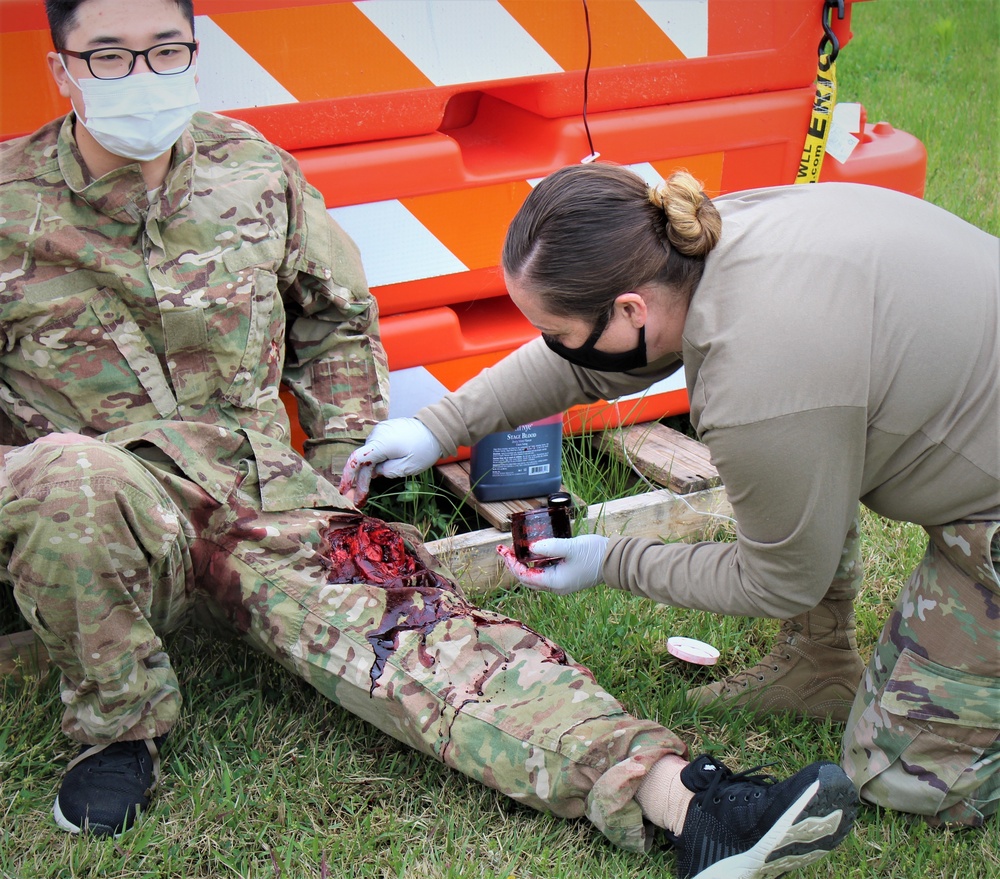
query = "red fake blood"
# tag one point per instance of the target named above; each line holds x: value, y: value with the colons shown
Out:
x: 416, y: 598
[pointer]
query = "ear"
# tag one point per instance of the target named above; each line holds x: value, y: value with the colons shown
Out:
x: 58, y: 73
x: 633, y: 306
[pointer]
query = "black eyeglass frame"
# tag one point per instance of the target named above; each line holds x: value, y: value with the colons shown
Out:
x: 192, y: 47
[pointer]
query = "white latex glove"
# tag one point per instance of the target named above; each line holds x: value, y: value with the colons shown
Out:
x: 580, y: 568
x: 397, y: 447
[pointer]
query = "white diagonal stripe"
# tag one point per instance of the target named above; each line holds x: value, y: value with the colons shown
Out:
x: 412, y: 389
x: 647, y: 172
x: 229, y: 78
x: 673, y: 382
x: 459, y: 42
x: 395, y: 246
x: 684, y: 21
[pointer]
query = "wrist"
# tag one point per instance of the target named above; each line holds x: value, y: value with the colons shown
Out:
x: 611, y: 563
x: 448, y: 440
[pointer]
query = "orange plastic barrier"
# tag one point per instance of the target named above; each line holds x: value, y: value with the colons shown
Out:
x: 432, y: 233
x: 429, y: 213
x: 312, y: 73
x: 425, y: 123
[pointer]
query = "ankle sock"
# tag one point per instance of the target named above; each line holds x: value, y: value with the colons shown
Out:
x: 662, y: 796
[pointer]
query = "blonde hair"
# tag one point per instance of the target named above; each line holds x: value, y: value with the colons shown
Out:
x: 693, y: 222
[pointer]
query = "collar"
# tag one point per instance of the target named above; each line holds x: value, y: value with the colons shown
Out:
x: 121, y: 194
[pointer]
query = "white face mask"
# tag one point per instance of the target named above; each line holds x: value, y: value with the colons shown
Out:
x: 139, y: 116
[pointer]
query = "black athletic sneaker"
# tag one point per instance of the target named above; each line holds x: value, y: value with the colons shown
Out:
x: 106, y: 786
x: 747, y: 825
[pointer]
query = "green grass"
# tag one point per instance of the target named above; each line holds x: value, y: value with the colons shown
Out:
x: 932, y: 68
x: 265, y: 779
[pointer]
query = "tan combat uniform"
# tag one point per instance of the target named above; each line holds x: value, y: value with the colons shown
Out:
x: 843, y: 345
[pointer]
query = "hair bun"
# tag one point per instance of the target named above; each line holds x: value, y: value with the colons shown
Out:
x: 656, y: 196
x: 693, y: 222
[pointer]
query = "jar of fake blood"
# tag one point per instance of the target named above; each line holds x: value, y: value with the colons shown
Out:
x: 552, y: 520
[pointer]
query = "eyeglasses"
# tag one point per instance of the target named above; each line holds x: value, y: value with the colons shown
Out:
x: 116, y: 62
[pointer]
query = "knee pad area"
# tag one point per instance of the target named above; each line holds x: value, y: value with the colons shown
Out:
x: 36, y: 468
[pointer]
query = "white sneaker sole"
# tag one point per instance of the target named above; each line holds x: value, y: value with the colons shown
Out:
x: 65, y: 824
x: 754, y: 864
x: 63, y: 821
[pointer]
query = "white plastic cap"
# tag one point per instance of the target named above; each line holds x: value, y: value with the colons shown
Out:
x: 691, y: 650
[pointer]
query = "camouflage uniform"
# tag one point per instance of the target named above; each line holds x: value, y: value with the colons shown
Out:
x: 924, y: 732
x: 157, y: 329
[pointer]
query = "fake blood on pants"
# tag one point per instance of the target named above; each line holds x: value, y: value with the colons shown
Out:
x: 416, y: 598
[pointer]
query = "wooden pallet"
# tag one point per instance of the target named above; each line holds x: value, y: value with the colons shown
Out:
x: 456, y: 477
x: 473, y: 560
x: 663, y: 455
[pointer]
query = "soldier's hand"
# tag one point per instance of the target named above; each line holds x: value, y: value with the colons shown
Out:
x: 397, y: 447
x: 581, y: 566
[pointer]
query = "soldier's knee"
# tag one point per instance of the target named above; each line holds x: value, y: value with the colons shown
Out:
x: 99, y: 515
x: 936, y: 770
x: 895, y: 788
x: 902, y: 789
x: 71, y: 459
x: 61, y: 495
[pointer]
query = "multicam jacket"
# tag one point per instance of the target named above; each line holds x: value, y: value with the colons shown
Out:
x: 170, y: 318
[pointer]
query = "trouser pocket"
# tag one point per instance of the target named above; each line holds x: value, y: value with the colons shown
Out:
x: 927, y: 742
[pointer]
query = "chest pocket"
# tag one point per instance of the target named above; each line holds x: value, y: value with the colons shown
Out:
x: 78, y: 346
x: 258, y: 371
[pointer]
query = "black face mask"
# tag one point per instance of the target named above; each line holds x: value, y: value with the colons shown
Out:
x: 601, y: 361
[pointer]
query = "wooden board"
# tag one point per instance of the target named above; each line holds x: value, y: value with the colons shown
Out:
x: 472, y: 557
x: 663, y: 455
x: 457, y: 479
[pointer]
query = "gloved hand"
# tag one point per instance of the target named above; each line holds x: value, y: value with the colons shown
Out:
x: 397, y: 447
x: 580, y: 568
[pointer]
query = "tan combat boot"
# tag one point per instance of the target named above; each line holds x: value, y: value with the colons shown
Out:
x: 813, y: 669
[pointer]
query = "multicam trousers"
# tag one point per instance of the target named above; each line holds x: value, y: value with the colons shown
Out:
x: 924, y: 732
x: 108, y: 549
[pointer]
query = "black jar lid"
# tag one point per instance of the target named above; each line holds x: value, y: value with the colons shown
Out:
x: 560, y: 499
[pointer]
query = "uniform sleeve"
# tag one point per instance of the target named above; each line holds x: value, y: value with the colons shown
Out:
x: 335, y: 364
x: 529, y: 384
x: 794, y: 483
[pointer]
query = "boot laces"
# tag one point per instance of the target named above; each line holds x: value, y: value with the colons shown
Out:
x: 786, y: 636
x: 749, y: 778
x: 125, y: 760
